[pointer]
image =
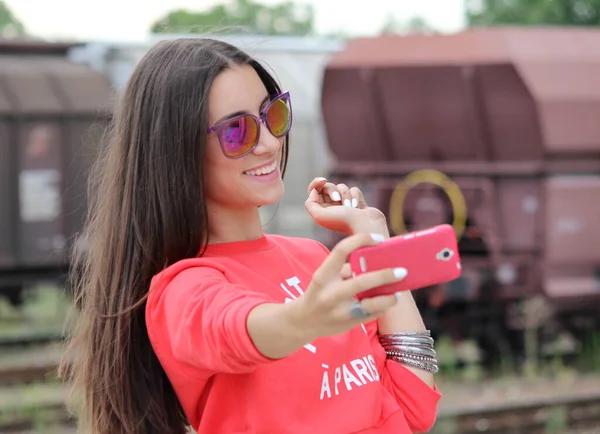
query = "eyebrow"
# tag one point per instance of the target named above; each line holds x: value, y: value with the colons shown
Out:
x: 265, y: 100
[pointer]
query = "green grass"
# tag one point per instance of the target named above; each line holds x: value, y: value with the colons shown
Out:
x: 45, y: 309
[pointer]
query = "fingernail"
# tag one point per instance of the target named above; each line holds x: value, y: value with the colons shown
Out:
x: 336, y: 196
x: 354, y: 202
x: 398, y: 295
x: 377, y: 237
x: 347, y: 202
x: 400, y: 273
x: 320, y: 178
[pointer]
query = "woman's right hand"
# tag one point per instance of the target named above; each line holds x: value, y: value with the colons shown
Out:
x: 325, y: 307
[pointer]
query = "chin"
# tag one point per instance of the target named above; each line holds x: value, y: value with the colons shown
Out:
x: 272, y: 197
x: 269, y: 196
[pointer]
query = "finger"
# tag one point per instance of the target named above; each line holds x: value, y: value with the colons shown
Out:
x: 346, y: 272
x: 373, y: 308
x: 314, y: 196
x: 331, y: 190
x: 357, y: 200
x: 319, y: 210
x: 373, y: 279
x: 315, y: 204
x: 345, y: 194
x: 317, y: 184
x: 378, y: 305
x: 338, y: 256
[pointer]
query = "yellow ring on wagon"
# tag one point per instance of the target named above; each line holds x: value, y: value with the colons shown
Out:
x: 430, y: 176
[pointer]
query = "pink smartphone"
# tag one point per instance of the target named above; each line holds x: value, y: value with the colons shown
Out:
x: 430, y: 256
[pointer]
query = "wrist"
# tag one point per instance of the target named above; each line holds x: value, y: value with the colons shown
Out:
x: 295, y: 323
x: 374, y: 222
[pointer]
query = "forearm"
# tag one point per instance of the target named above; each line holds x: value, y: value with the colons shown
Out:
x: 405, y: 315
x: 274, y: 331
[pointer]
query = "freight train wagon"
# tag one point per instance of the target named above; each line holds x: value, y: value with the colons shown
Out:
x: 496, y: 131
x: 52, y: 113
x: 55, y: 101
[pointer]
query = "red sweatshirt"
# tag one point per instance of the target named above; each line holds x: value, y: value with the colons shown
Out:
x: 196, y: 319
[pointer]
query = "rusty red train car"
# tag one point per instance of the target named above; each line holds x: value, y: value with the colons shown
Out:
x: 497, y: 132
x: 51, y: 117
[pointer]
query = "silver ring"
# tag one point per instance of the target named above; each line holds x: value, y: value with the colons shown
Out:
x: 358, y: 311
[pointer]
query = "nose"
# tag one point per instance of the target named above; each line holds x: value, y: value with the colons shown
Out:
x: 267, y: 143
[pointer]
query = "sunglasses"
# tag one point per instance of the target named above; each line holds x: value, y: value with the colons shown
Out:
x: 239, y: 135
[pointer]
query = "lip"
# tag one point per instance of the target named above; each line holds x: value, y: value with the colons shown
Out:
x: 260, y: 167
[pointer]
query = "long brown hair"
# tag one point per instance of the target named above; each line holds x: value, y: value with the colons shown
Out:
x: 146, y: 211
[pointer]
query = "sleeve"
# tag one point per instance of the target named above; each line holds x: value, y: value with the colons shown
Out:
x: 417, y: 400
x: 202, y: 318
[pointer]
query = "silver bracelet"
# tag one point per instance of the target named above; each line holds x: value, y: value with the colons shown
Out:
x: 427, y: 366
x: 411, y: 348
x: 390, y: 354
x: 412, y: 356
x: 421, y: 364
x: 429, y: 352
x: 407, y: 340
x: 419, y: 333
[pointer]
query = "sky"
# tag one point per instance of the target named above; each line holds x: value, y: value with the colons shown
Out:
x: 129, y: 20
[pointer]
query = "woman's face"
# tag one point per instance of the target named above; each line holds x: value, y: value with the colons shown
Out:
x: 253, y: 179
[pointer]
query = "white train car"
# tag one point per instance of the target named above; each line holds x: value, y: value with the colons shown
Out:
x: 298, y: 64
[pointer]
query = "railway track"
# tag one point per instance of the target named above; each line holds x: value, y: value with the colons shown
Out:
x: 55, y: 420
x: 574, y: 413
x: 29, y: 364
x: 29, y: 392
x: 24, y: 374
x: 30, y: 339
x: 564, y: 415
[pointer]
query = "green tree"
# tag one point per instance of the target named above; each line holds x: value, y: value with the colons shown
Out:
x: 10, y: 26
x: 285, y: 18
x: 391, y: 25
x: 533, y: 12
x: 416, y: 24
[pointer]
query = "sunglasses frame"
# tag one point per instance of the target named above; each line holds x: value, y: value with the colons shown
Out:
x: 261, y: 119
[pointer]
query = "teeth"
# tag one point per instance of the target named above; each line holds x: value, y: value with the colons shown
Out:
x: 263, y: 171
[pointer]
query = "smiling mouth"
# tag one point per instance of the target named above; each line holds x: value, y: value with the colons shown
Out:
x: 263, y: 170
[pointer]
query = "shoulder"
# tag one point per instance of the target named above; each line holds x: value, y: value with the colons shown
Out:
x: 187, y: 287
x: 191, y: 305
x: 188, y: 282
x: 187, y: 277
x: 187, y: 272
x: 172, y: 292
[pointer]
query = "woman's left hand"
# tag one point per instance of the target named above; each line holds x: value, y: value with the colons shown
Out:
x: 340, y: 208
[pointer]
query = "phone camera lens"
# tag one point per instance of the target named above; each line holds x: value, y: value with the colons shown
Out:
x: 445, y: 254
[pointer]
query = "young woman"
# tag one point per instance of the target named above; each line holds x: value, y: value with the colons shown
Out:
x: 190, y: 314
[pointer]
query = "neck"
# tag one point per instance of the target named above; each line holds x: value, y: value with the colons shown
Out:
x: 229, y: 225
